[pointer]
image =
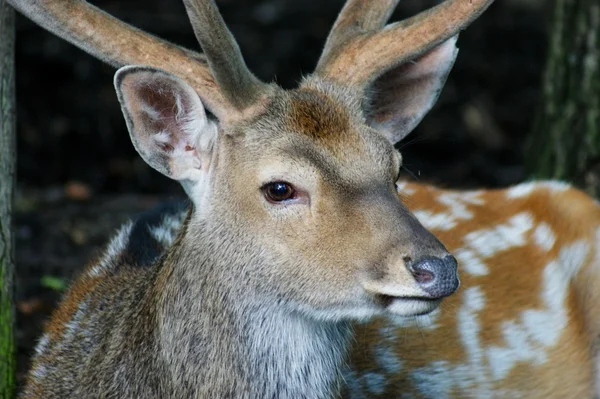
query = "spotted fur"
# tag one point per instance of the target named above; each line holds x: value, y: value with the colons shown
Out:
x: 523, y: 325
x: 525, y: 322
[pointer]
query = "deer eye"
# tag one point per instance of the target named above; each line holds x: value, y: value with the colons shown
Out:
x: 278, y: 191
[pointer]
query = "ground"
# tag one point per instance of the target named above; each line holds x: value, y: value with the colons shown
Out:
x: 79, y: 177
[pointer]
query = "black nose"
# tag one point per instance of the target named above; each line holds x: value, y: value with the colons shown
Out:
x: 437, y: 276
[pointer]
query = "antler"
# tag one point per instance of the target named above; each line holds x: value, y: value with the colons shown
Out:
x: 223, y: 54
x: 217, y: 77
x: 360, y: 47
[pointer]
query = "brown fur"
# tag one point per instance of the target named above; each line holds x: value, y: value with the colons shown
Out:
x: 512, y: 286
x: 318, y: 116
x: 247, y: 280
x: 255, y: 299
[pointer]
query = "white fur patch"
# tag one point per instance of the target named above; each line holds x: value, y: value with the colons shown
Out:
x: 544, y: 236
x: 402, y: 188
x: 485, y: 243
x: 42, y: 344
x: 471, y: 262
x: 438, y: 379
x: 535, y: 330
x: 520, y: 190
x: 488, y: 242
x: 457, y: 205
x: 469, y: 328
x: 435, y: 221
x: 525, y: 189
x: 166, y: 232
x: 73, y: 327
x: 162, y: 137
x: 526, y: 338
x: 150, y: 111
x: 114, y: 249
x: 375, y: 383
x: 555, y: 185
x: 387, y: 360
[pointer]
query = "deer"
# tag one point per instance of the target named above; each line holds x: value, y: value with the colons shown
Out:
x: 523, y: 324
x: 295, y: 228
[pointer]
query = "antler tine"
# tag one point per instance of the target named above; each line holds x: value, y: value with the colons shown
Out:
x: 356, y: 18
x: 365, y: 56
x: 119, y: 44
x: 234, y: 78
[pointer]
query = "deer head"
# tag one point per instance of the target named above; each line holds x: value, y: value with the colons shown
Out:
x: 305, y: 177
x: 296, y: 221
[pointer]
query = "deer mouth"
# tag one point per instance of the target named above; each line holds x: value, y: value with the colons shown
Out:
x: 408, y: 306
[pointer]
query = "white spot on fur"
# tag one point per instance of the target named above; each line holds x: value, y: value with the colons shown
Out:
x: 457, y: 203
x: 544, y: 237
x: 554, y: 185
x: 537, y: 329
x: 387, y: 359
x: 42, y: 344
x: 166, y: 232
x: 469, y: 331
x: 435, y: 221
x: 488, y: 242
x: 527, y: 337
x: 114, y: 249
x: 470, y: 262
x: 375, y: 383
x: 438, y: 379
x: 74, y: 325
x: 521, y: 190
x: 525, y: 189
x: 457, y: 209
x: 485, y: 243
x: 402, y: 188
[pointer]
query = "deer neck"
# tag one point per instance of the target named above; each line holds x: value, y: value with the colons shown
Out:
x: 219, y: 339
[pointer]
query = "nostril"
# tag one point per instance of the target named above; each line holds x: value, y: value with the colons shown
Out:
x: 423, y: 276
x: 436, y: 276
x: 425, y: 271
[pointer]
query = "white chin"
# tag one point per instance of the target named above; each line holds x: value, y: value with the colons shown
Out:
x: 412, y: 307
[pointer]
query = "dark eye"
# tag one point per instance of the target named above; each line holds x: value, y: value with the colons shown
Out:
x: 279, y: 191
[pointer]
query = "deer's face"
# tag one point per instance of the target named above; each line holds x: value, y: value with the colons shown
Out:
x: 313, y: 187
x: 302, y: 186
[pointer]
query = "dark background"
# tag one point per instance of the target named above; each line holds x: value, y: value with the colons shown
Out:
x: 79, y: 177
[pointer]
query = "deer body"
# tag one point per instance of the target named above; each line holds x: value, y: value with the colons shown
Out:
x: 255, y: 296
x: 523, y: 325
x: 127, y: 332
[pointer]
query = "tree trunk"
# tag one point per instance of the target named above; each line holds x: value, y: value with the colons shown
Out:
x: 7, y: 176
x: 566, y: 139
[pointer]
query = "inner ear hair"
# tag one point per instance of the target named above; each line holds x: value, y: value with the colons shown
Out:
x: 166, y: 120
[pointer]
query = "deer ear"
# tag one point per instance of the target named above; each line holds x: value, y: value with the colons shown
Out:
x: 167, y: 122
x: 400, y: 98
